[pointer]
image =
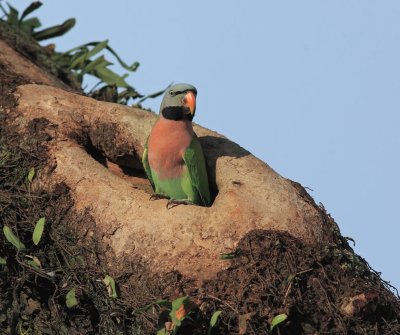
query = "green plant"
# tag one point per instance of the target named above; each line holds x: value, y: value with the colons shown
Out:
x: 30, y: 26
x: 213, y: 321
x: 172, y: 314
x: 278, y: 320
x: 82, y: 60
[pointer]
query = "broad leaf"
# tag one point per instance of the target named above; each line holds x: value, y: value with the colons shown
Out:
x: 31, y: 174
x: 32, y: 264
x: 97, y: 48
x: 110, y: 77
x: 70, y: 299
x: 110, y: 284
x: 277, y: 320
x: 34, y: 261
x: 213, y: 321
x: 30, y: 25
x: 32, y: 7
x: 180, y: 309
x: 38, y: 231
x: 98, y: 62
x: 54, y: 31
x: 12, y: 16
x: 12, y: 238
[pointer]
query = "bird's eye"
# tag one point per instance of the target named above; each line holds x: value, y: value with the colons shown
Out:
x: 172, y: 93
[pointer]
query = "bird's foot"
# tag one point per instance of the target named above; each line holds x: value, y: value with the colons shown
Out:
x: 174, y: 202
x: 157, y: 196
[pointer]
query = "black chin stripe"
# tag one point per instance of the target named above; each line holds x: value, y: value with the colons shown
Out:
x: 175, y: 113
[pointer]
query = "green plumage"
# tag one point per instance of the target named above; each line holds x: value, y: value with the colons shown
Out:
x: 192, y: 185
x: 172, y: 157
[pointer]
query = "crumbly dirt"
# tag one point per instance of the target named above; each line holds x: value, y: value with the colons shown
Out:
x: 323, y: 288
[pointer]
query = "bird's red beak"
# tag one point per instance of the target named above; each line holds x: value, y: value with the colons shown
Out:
x: 189, y: 101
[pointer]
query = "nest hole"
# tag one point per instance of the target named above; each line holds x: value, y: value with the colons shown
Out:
x: 125, y: 167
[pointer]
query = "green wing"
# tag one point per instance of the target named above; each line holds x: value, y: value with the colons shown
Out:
x: 194, y: 159
x: 146, y: 165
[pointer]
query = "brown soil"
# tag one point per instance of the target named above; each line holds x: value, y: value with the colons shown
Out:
x: 323, y: 288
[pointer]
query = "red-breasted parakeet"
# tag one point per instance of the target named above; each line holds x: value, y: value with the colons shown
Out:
x: 172, y: 157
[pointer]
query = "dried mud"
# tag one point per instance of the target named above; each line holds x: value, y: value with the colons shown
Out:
x: 324, y: 289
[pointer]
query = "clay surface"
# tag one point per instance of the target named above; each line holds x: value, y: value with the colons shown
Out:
x: 86, y: 135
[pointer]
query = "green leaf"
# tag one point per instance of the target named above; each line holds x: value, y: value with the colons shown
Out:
x: 129, y: 93
x: 213, y: 321
x: 98, y: 62
x: 54, y: 31
x: 277, y: 320
x: 32, y: 264
x: 230, y: 255
x: 38, y: 231
x: 32, y: 7
x: 110, y: 284
x: 154, y: 95
x: 30, y: 25
x: 12, y: 238
x: 77, y: 62
x: 33, y: 261
x: 162, y: 331
x: 177, y: 303
x: 214, y: 318
x: 131, y: 68
x: 110, y: 77
x: 97, y: 48
x: 70, y: 299
x: 3, y: 261
x: 31, y: 174
x: 12, y: 16
x: 179, y: 310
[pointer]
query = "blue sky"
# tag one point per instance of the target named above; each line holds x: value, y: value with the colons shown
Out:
x: 310, y: 87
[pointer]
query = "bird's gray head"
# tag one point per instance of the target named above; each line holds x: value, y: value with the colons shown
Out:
x: 179, y: 102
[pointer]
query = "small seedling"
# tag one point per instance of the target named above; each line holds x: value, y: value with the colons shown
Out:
x: 213, y: 321
x: 70, y: 298
x: 110, y: 284
x: 38, y: 231
x: 12, y: 238
x: 230, y: 255
x: 278, y: 320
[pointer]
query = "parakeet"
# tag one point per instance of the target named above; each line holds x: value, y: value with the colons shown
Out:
x: 173, y: 158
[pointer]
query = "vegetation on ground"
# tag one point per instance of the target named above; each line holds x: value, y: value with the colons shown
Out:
x: 54, y: 279
x: 84, y: 60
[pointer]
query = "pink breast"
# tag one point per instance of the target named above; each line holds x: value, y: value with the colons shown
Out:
x: 166, y: 145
